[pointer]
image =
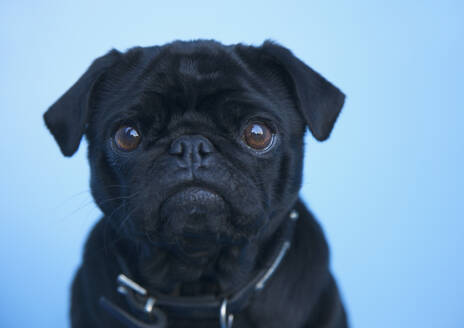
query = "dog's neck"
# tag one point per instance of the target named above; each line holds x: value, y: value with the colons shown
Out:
x: 164, y: 271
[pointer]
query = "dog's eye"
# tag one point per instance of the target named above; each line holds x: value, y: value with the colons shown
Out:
x: 257, y: 135
x: 127, y: 138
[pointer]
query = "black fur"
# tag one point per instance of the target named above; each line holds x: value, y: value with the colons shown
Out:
x: 191, y: 101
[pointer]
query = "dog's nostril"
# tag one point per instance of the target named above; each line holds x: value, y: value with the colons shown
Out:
x: 205, y: 147
x: 191, y: 149
x: 177, y: 147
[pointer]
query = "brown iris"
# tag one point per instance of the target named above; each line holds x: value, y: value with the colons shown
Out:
x: 127, y: 138
x: 257, y: 135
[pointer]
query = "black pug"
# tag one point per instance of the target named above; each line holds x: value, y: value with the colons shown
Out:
x: 196, y: 154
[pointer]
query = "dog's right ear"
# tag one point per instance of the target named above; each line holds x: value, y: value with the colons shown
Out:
x: 67, y: 117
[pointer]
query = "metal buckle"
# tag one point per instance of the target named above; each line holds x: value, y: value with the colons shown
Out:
x: 225, y: 319
x: 138, y: 299
x: 125, y: 285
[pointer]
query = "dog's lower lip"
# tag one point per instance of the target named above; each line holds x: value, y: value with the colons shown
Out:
x: 197, y: 194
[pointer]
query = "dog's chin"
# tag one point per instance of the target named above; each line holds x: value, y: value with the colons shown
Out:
x: 195, y: 221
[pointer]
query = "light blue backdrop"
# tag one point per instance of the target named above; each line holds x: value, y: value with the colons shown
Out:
x: 387, y: 186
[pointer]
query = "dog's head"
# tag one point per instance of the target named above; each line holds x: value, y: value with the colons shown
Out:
x: 194, y: 145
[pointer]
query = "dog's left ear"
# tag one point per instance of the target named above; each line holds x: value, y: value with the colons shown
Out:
x: 319, y: 101
x: 67, y: 117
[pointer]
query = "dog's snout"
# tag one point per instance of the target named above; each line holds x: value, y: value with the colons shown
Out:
x: 192, y: 150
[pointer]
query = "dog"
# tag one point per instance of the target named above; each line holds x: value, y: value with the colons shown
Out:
x: 196, y: 154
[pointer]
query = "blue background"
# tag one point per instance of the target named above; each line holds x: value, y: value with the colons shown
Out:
x: 387, y: 186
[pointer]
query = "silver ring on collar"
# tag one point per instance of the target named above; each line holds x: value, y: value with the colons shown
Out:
x: 226, y: 320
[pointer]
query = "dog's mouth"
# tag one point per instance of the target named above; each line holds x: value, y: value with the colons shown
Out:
x: 196, y: 194
x: 193, y: 198
x: 193, y: 219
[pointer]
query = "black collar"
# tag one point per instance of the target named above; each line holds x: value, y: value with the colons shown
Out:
x: 148, y: 307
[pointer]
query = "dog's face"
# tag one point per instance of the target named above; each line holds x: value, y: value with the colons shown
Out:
x: 195, y: 145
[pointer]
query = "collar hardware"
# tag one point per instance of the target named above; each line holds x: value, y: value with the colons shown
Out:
x: 225, y: 319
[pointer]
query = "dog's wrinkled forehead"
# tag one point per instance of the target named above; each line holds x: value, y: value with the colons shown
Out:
x: 187, y: 75
x: 205, y: 66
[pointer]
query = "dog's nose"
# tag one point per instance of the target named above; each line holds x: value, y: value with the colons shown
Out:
x: 192, y: 150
